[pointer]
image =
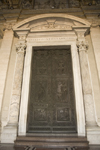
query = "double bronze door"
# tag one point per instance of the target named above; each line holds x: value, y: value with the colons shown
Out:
x: 51, y: 101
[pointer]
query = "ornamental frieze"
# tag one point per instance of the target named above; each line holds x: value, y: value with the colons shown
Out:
x: 46, y: 4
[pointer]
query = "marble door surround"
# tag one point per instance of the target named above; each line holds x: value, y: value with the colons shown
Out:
x: 52, y: 30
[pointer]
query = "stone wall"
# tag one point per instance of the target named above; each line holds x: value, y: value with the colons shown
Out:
x: 8, y: 39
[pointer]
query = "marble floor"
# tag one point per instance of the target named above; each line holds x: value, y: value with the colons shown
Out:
x: 10, y: 147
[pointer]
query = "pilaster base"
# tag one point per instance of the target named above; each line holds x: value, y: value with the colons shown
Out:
x: 9, y: 134
x: 93, y: 135
x: 0, y: 134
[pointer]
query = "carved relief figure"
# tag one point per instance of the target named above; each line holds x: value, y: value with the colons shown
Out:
x: 46, y: 4
x: 42, y: 67
x: 63, y: 114
x: 74, y: 3
x: 62, y: 92
x: 26, y: 4
x: 10, y: 3
x: 62, y: 4
x: 36, y: 5
x: 61, y: 67
x: 40, y: 115
x: 41, y: 92
x: 91, y: 2
x: 6, y: 4
x: 52, y: 4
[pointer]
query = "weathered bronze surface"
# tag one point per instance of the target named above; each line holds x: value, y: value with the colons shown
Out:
x: 51, y: 105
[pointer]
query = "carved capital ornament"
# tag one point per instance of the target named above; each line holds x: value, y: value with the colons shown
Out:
x: 82, y: 45
x: 21, y: 47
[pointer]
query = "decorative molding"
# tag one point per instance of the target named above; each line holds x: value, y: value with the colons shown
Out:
x: 30, y: 148
x: 82, y: 45
x: 64, y: 16
x: 47, y: 4
x: 94, y: 22
x: 16, y: 89
x: 73, y: 37
x: 23, y: 37
x: 21, y: 47
x: 52, y: 24
x: 81, y: 32
x: 8, y: 26
x: 91, y: 2
x: 26, y: 4
x: 33, y: 148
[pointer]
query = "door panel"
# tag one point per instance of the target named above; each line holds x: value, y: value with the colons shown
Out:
x: 51, y: 104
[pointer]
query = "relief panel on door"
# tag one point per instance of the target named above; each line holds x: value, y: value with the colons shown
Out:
x: 51, y: 103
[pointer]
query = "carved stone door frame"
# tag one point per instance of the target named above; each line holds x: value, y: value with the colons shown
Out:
x: 52, y: 30
x: 51, y: 41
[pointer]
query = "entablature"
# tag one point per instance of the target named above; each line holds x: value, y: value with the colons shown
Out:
x: 51, y: 23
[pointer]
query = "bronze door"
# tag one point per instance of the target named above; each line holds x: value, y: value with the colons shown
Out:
x: 51, y: 104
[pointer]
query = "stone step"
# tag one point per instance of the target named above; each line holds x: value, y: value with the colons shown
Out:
x: 51, y: 143
x: 51, y: 139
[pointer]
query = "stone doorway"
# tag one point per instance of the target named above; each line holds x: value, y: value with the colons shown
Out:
x: 52, y: 101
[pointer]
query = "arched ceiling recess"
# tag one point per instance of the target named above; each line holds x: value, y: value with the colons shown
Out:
x: 49, y: 22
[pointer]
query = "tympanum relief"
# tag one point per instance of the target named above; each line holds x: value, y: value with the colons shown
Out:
x: 51, y: 24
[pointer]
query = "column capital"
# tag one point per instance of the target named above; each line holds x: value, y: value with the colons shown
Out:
x: 21, y: 47
x: 82, y: 45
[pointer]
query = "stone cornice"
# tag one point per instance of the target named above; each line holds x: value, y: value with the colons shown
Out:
x: 8, y: 25
x: 53, y: 15
x: 94, y: 22
x: 81, y: 43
